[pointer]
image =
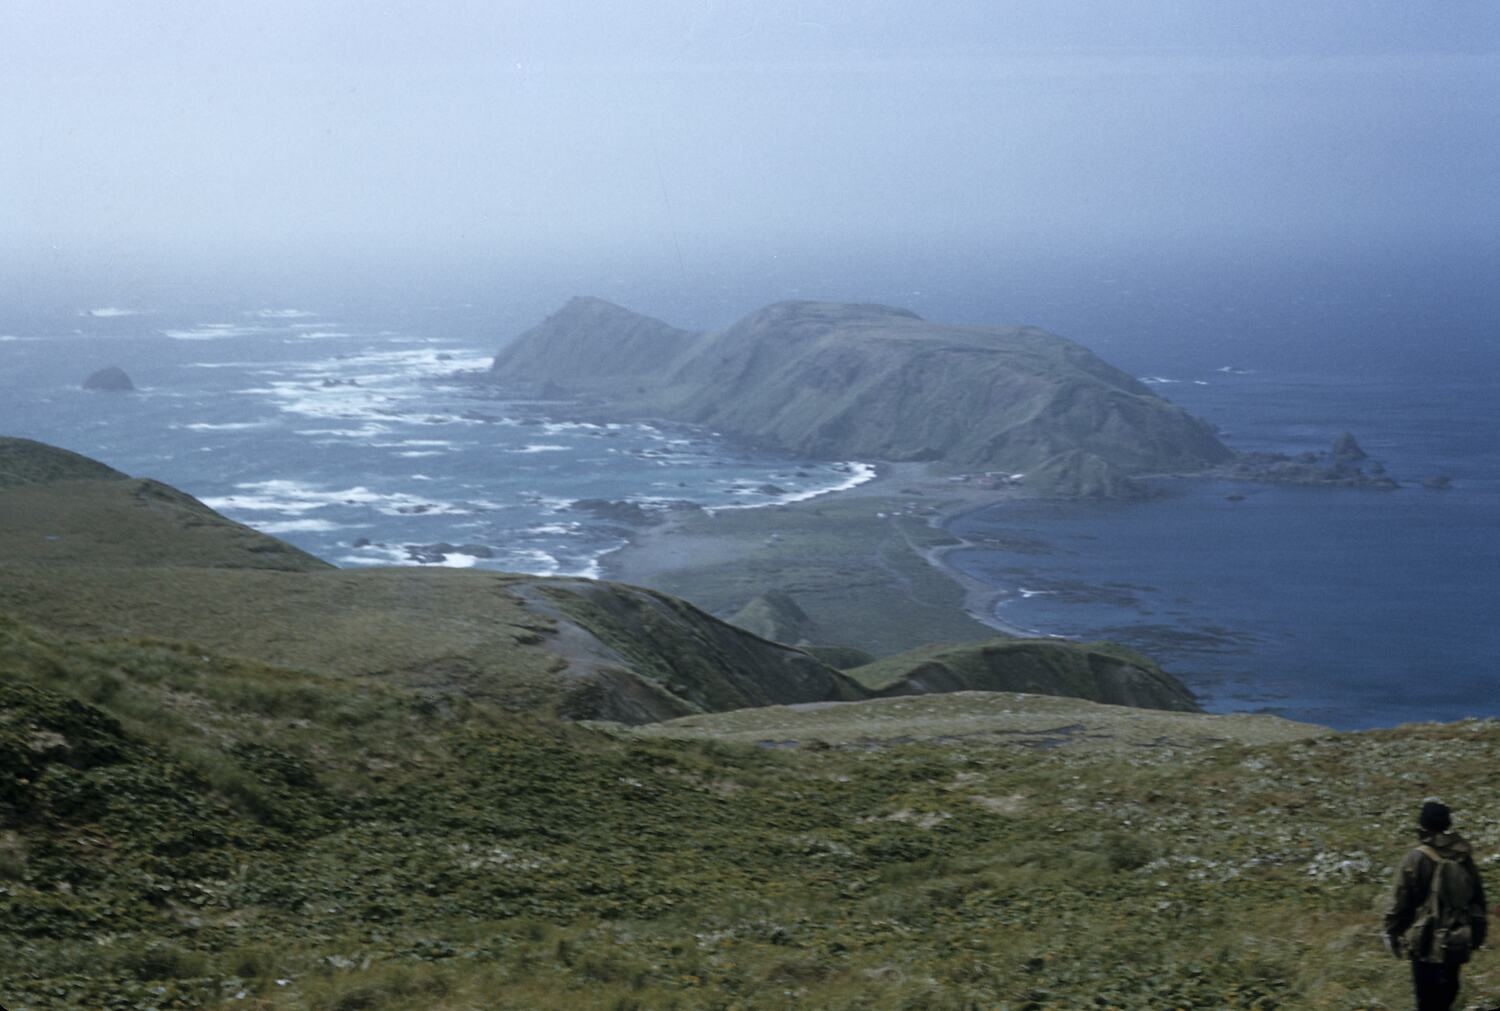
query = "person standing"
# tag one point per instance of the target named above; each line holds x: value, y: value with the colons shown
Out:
x: 1437, y: 914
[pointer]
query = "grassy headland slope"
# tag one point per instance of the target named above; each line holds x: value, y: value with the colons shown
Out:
x: 115, y: 557
x: 181, y: 829
x: 1102, y: 671
x: 25, y: 461
x: 869, y: 382
x: 982, y: 719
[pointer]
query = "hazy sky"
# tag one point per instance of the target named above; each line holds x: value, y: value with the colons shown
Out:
x: 183, y: 131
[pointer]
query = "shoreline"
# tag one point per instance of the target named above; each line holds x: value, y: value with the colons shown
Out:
x: 687, y: 548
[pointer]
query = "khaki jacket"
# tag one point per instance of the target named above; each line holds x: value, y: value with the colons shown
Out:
x: 1412, y: 882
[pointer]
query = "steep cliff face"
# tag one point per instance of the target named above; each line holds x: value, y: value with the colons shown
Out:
x: 1099, y: 672
x: 833, y: 380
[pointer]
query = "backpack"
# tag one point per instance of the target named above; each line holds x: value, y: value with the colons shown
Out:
x: 1442, y: 932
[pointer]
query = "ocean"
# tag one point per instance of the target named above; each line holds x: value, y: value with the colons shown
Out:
x: 1348, y: 607
x: 356, y: 443
x: 335, y: 424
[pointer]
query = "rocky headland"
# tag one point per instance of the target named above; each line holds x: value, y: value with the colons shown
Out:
x: 868, y: 382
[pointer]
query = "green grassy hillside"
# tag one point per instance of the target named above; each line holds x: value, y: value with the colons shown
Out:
x: 116, y: 557
x: 1101, y: 671
x: 23, y: 461
x: 181, y: 829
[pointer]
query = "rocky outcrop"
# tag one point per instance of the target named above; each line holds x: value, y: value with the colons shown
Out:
x: 1099, y: 672
x: 1346, y: 447
x: 840, y: 381
x: 1339, y: 467
x: 111, y: 379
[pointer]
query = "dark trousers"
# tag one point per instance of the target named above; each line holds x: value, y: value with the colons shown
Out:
x: 1436, y: 984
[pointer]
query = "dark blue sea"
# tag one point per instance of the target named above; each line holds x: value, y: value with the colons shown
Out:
x: 334, y: 421
x: 1347, y: 607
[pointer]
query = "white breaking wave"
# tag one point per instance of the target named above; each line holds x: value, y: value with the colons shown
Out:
x: 111, y: 312
x: 227, y: 426
x: 859, y: 473
x: 296, y: 526
x: 555, y: 529
x: 281, y: 313
x: 540, y: 448
x: 383, y: 554
x: 212, y: 332
x: 363, y: 432
x: 384, y: 385
x: 533, y: 561
x: 296, y: 498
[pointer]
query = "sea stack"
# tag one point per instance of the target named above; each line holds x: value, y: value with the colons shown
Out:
x: 1345, y: 447
x: 110, y: 380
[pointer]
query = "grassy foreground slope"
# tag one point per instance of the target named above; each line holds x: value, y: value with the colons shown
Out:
x: 180, y: 829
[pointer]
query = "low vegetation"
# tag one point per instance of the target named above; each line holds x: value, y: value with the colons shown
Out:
x: 183, y: 829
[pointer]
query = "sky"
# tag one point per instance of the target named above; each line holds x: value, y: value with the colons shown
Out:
x: 157, y: 137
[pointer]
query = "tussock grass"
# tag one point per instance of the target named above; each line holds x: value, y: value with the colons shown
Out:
x: 180, y: 828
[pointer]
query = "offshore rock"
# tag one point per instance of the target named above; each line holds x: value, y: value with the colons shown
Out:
x: 111, y: 379
x: 1346, y: 448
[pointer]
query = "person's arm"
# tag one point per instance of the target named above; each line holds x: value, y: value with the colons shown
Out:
x: 1478, y: 908
x: 1407, y: 896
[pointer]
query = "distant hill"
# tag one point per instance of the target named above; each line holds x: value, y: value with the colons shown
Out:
x: 869, y: 382
x: 590, y: 343
x: 1098, y: 671
x: 775, y: 615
